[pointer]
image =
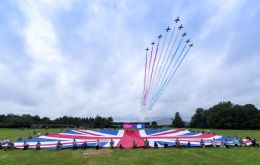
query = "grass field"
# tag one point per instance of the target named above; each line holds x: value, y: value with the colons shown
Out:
x: 248, y: 155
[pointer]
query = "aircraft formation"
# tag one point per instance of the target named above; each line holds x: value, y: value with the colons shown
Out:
x: 162, y: 62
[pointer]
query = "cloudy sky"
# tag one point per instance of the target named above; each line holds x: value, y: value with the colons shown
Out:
x: 83, y: 58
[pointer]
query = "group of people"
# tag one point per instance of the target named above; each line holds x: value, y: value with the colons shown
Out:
x: 6, y: 144
x: 237, y: 142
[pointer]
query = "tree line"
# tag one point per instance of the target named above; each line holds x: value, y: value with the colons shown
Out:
x: 27, y: 120
x: 224, y: 115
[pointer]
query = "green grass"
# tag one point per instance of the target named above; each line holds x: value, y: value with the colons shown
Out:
x: 248, y: 155
x: 14, y: 133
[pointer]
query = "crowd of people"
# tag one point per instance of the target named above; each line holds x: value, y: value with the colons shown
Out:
x: 6, y: 144
x: 237, y: 142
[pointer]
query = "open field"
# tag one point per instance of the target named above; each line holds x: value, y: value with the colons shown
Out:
x: 189, y: 156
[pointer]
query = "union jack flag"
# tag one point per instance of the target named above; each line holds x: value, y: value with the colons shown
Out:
x: 185, y: 137
x: 126, y: 138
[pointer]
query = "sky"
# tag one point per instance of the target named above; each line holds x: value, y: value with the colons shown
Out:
x: 86, y: 58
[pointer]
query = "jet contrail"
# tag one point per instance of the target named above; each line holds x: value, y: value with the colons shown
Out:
x: 151, y: 76
x: 167, y: 70
x: 165, y: 61
x: 172, y: 75
x: 171, y: 70
x: 146, y: 90
x: 145, y: 72
x: 155, y: 82
x: 161, y: 67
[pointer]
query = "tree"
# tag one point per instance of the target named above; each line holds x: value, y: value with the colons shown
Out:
x: 154, y: 123
x: 177, y: 121
x: 226, y: 115
x: 198, y: 120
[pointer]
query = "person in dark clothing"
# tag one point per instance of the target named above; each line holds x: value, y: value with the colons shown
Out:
x: 178, y: 143
x: 165, y: 145
x: 189, y: 144
x: 226, y: 144
x: 97, y: 145
x: 59, y: 145
x: 254, y: 144
x: 155, y: 144
x: 202, y: 143
x: 74, y: 144
x: 84, y: 145
x: 38, y: 145
x: 121, y: 146
x: 111, y: 144
x: 25, y: 145
x: 134, y: 146
x: 146, y: 144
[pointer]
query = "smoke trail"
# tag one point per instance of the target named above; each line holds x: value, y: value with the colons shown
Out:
x: 163, y: 64
x: 169, y: 75
x: 145, y: 74
x: 172, y: 75
x: 151, y: 56
x: 151, y: 77
x: 167, y: 70
x: 159, y: 65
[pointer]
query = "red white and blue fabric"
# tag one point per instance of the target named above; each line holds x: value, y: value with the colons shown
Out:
x: 81, y: 136
x: 126, y: 137
x: 169, y: 137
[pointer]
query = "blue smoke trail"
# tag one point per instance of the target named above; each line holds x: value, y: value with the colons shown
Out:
x: 155, y: 79
x: 172, y: 75
x: 163, y: 64
x: 167, y: 71
x: 171, y: 70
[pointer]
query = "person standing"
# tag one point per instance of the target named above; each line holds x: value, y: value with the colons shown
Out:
x: 59, y: 145
x: 97, y: 145
x: 84, y: 145
x: 214, y: 143
x: 112, y: 144
x: 74, y: 144
x: 25, y: 145
x: 38, y: 145
x: 146, y: 144
x: 202, y: 143
x: 134, y: 144
x: 178, y: 144
x: 155, y: 144
x: 235, y: 142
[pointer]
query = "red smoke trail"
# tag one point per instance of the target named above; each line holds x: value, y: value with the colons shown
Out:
x: 151, y: 76
x: 151, y: 56
x: 145, y: 73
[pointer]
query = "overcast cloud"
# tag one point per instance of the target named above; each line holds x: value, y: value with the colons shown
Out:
x: 83, y: 58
